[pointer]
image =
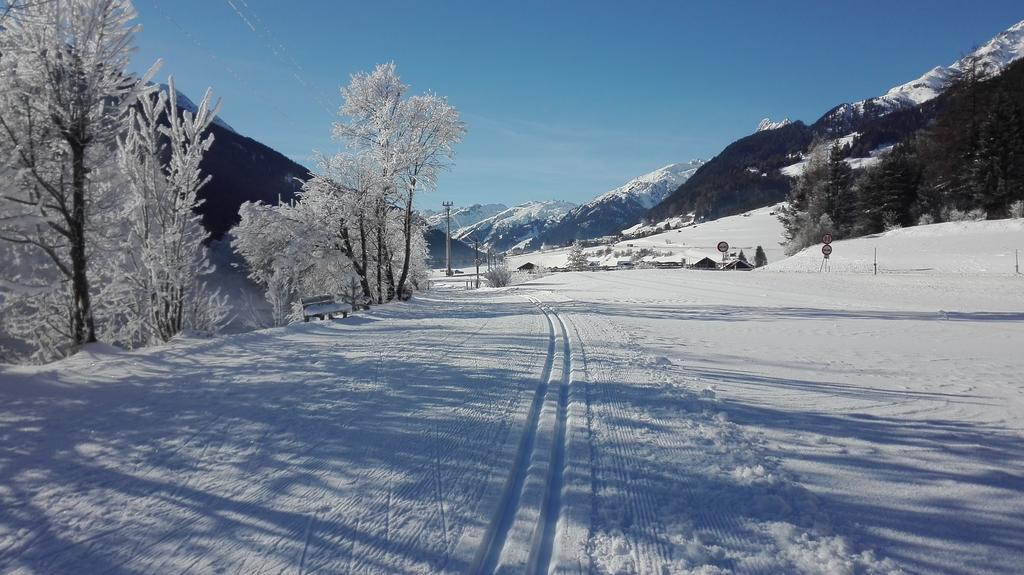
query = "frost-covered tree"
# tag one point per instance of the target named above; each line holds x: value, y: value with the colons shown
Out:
x: 64, y: 94
x: 316, y: 244
x: 410, y: 140
x: 577, y: 257
x: 266, y: 237
x: 499, y: 275
x: 160, y: 157
x: 353, y: 220
x: 346, y: 201
x: 432, y: 127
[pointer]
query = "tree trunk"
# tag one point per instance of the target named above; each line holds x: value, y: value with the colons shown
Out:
x: 380, y: 261
x: 407, y: 231
x: 389, y: 274
x: 84, y: 326
x: 360, y: 269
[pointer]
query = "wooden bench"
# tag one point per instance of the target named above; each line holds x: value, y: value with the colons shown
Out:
x: 323, y: 307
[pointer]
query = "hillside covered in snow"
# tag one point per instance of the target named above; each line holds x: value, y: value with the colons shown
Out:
x: 689, y: 240
x: 983, y: 247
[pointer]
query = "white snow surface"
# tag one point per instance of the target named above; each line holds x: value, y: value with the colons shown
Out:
x: 874, y: 157
x: 986, y: 247
x: 642, y: 421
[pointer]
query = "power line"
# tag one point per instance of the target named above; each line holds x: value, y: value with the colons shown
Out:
x: 212, y: 56
x: 448, y: 238
x: 252, y: 21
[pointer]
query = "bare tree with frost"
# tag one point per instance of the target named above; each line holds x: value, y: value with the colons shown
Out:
x: 353, y: 222
x: 432, y: 127
x: 410, y: 140
x: 160, y: 158
x: 64, y: 94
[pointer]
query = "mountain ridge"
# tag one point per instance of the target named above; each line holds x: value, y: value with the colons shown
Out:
x: 745, y: 174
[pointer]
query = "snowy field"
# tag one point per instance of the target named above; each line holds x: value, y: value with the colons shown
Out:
x: 743, y: 232
x: 648, y: 421
x: 955, y: 247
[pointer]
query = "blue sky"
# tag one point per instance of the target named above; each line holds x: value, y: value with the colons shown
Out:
x: 563, y: 100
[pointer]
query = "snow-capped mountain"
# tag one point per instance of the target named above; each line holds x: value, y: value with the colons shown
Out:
x: 768, y: 124
x: 515, y: 225
x: 184, y: 103
x: 988, y: 61
x: 463, y: 217
x: 756, y: 170
x: 648, y: 189
x: 622, y: 207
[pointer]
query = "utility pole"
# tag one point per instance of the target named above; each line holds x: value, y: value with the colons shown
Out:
x: 448, y: 238
x: 476, y: 252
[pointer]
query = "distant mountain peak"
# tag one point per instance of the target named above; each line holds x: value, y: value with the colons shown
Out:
x: 185, y: 103
x: 464, y: 216
x: 768, y: 124
x: 652, y: 187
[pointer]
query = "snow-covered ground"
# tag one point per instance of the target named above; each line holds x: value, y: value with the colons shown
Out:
x: 648, y: 421
x: 953, y: 247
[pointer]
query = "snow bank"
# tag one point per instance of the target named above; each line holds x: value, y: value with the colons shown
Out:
x: 952, y: 247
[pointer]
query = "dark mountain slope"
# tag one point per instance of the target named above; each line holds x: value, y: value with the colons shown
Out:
x: 744, y: 176
x: 243, y: 170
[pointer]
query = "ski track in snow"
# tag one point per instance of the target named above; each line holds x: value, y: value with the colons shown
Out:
x: 583, y: 423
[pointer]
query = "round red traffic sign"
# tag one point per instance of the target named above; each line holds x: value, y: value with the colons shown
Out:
x: 723, y: 247
x: 827, y: 250
x: 826, y: 239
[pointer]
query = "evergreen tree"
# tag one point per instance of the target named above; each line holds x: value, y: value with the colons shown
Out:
x: 742, y: 257
x: 886, y: 195
x: 833, y: 196
x: 821, y: 201
x: 760, y: 259
x: 995, y: 170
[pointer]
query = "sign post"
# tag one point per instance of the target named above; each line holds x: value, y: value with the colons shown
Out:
x: 826, y: 250
x: 724, y: 248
